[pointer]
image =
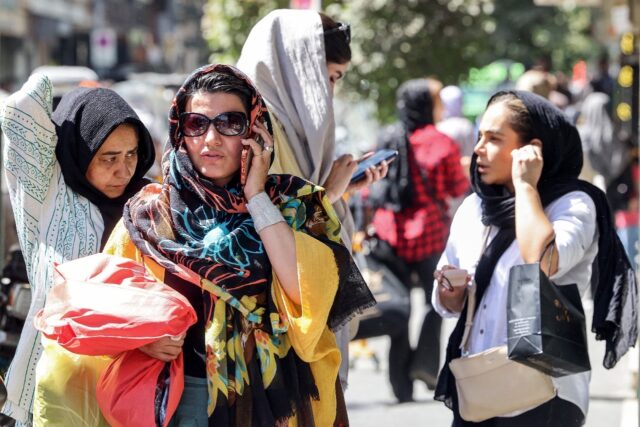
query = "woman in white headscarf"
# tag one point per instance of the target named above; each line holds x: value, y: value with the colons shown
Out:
x: 295, y: 57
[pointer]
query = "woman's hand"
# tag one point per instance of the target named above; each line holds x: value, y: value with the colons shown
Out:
x: 339, y: 177
x: 339, y: 180
x: 261, y: 161
x: 527, y: 163
x: 452, y: 298
x: 373, y: 174
x: 534, y: 231
x: 165, y: 349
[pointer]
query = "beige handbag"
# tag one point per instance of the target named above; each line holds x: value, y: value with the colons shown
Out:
x: 489, y: 384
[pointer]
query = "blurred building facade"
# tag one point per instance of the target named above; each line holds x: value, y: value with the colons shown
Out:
x: 114, y: 37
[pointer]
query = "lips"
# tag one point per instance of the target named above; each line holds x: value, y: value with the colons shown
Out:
x: 482, y: 168
x: 211, y: 157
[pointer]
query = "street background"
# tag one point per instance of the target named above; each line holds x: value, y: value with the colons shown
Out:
x: 144, y: 49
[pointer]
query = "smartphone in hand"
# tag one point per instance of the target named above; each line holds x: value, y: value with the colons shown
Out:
x: 375, y: 160
x: 246, y: 157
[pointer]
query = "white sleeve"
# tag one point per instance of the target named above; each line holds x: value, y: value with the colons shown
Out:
x: 29, y: 139
x: 574, y: 222
x: 435, y: 298
x: 450, y: 257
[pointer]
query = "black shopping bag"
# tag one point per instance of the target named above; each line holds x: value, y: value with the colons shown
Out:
x: 546, y: 324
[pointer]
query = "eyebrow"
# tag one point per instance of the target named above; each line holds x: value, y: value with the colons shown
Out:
x: 111, y: 153
x: 493, y: 131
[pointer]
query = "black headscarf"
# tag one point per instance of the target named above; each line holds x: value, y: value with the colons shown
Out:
x: 84, y: 118
x: 615, y: 302
x: 415, y: 110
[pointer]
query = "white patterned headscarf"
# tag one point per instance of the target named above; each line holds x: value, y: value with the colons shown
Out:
x: 284, y: 57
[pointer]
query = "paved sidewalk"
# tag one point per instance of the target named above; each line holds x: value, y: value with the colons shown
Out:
x: 371, y: 403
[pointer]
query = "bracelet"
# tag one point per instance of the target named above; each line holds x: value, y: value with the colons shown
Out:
x: 263, y: 211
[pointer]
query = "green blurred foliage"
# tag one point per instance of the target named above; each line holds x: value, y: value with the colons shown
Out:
x: 398, y: 40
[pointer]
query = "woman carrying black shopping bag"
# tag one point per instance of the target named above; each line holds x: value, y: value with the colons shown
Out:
x: 526, y: 194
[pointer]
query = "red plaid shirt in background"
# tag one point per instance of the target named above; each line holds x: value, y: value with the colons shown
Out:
x: 421, y: 231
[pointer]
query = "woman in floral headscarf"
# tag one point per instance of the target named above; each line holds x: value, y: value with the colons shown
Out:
x: 259, y: 257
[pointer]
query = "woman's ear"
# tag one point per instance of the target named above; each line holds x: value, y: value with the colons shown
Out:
x: 537, y: 142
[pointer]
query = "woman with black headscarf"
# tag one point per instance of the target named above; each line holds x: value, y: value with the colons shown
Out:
x: 69, y: 174
x: 527, y: 196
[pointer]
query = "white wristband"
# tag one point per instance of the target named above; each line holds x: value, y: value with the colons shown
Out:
x: 263, y: 211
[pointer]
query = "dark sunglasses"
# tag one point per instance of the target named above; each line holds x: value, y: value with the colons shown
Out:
x: 232, y: 123
x: 345, y: 28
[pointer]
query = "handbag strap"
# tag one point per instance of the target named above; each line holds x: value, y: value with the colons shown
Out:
x: 471, y: 301
x: 552, y: 245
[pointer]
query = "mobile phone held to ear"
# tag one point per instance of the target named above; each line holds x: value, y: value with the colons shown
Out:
x: 245, y: 163
x: 247, y: 157
x: 375, y: 160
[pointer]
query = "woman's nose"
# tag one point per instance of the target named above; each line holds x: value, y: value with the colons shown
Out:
x: 126, y: 169
x: 479, y: 146
x: 212, y: 137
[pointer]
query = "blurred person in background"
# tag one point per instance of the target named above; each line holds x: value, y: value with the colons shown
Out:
x: 537, y: 81
x: 605, y: 154
x: 455, y: 125
x: 563, y: 98
x: 435, y: 88
x: 69, y: 175
x: 609, y: 164
x: 295, y: 58
x: 412, y: 220
x: 602, y: 81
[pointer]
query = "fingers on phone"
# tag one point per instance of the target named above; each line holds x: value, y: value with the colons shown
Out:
x: 366, y: 156
x: 260, y: 135
x: 255, y: 146
x: 345, y: 159
x: 384, y: 168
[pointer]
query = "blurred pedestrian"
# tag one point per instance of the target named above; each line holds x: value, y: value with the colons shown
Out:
x: 435, y: 89
x: 536, y: 81
x: 527, y: 198
x: 455, y: 125
x: 412, y: 219
x: 69, y: 175
x: 295, y: 58
x: 258, y: 256
x: 602, y: 81
x: 605, y: 152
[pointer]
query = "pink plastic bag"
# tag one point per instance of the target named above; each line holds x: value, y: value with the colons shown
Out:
x: 125, y: 403
x: 104, y: 304
x: 108, y: 305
